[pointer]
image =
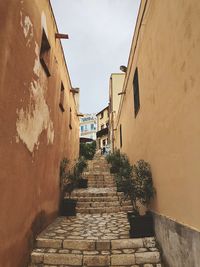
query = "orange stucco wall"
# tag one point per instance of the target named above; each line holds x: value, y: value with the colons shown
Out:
x: 35, y: 134
x: 166, y: 131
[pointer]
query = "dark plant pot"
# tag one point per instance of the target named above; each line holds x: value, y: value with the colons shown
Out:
x: 131, y: 214
x: 113, y: 169
x: 68, y: 207
x: 141, y: 226
x: 83, y: 183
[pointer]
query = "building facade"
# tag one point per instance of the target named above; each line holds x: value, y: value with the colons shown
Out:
x: 158, y: 120
x: 115, y: 92
x: 39, y: 125
x: 102, y: 129
x: 88, y: 126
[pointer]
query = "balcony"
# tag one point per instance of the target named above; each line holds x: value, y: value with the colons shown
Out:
x: 102, y: 132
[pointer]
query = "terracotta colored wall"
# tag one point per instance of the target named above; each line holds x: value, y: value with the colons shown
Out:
x: 35, y: 134
x: 166, y: 130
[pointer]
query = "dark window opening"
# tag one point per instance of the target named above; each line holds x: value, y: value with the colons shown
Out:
x: 61, y: 104
x: 45, y: 53
x: 136, y: 92
x: 70, y: 118
x: 101, y: 115
x: 120, y: 135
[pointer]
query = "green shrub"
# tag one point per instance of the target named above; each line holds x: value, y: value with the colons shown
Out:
x: 87, y: 150
x: 134, y: 181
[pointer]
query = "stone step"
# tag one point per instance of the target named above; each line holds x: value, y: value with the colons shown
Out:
x: 102, y: 186
x: 121, y: 252
x: 97, y: 199
x: 97, y: 204
x: 101, y: 210
x: 94, y: 194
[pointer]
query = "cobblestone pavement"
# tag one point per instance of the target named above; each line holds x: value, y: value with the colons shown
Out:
x: 99, y: 236
x: 89, y: 226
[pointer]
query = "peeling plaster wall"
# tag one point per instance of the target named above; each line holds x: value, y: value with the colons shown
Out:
x: 35, y: 134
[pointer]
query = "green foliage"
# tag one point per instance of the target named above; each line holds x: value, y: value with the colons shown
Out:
x: 144, y: 182
x: 134, y: 181
x: 69, y: 179
x: 87, y: 150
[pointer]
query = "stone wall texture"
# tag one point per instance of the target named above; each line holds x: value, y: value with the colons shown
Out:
x: 180, y: 244
x: 35, y: 133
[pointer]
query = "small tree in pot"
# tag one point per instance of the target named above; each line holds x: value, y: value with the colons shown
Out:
x: 79, y: 168
x: 68, y: 182
x: 142, y: 225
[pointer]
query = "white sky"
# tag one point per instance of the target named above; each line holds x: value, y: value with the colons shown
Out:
x: 100, y: 35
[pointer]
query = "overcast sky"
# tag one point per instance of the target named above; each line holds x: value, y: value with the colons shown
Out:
x: 100, y: 33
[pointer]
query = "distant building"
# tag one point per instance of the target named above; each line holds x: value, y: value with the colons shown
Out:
x: 115, y: 92
x: 102, y: 129
x: 88, y: 126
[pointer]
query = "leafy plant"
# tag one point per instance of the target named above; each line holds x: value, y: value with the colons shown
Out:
x: 87, y: 150
x: 69, y: 179
x: 144, y: 182
x: 134, y: 181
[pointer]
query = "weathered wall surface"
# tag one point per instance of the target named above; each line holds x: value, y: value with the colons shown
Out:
x: 166, y: 129
x: 180, y: 244
x: 35, y: 133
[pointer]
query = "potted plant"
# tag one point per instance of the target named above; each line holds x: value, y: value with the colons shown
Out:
x: 142, y: 192
x: 79, y: 168
x: 68, y: 184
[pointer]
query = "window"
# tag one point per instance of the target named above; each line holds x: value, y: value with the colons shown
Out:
x: 61, y: 104
x: 45, y: 53
x: 104, y: 142
x: 85, y: 127
x: 136, y: 92
x: 70, y: 118
x: 101, y: 115
x: 92, y: 127
x: 82, y: 128
x: 120, y: 135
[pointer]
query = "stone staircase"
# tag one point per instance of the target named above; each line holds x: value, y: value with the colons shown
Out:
x: 99, y: 234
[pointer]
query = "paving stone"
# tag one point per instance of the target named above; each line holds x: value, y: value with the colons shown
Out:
x: 37, y: 257
x: 122, y: 259
x: 94, y: 252
x: 80, y: 244
x: 128, y: 250
x: 116, y: 251
x: 147, y: 257
x: 69, y: 259
x: 103, y: 260
x: 141, y: 250
x: 103, y: 245
x: 127, y: 243
x: 48, y: 243
x: 149, y: 242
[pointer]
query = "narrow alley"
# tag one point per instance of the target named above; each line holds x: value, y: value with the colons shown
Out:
x: 99, y: 133
x: 99, y: 234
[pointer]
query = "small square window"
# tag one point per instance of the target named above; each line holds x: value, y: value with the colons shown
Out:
x: 61, y: 104
x: 45, y: 53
